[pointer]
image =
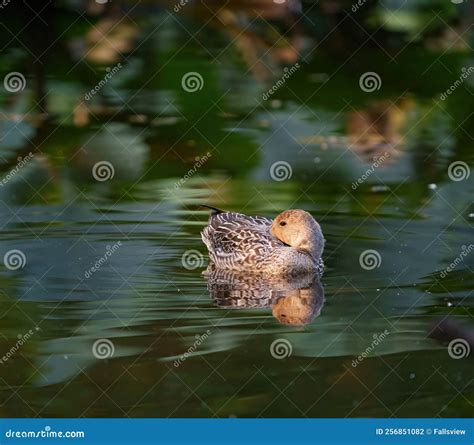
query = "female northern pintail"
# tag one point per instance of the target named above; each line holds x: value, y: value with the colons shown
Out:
x: 291, y: 244
x: 295, y: 300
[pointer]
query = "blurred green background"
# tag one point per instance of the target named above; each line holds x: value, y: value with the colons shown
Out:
x: 175, y: 97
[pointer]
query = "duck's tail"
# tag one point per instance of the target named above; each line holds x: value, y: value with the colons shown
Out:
x: 214, y: 211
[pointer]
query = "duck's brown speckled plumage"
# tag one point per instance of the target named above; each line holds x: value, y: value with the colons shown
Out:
x: 244, y: 243
x: 294, y: 301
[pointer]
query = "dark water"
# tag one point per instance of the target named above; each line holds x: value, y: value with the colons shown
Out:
x: 173, y: 349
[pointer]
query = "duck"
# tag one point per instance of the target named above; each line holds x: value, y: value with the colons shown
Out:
x: 289, y: 245
x: 296, y: 301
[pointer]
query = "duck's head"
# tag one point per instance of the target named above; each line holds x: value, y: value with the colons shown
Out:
x: 295, y: 309
x: 300, y: 230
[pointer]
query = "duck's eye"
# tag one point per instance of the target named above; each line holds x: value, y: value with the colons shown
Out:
x: 283, y: 223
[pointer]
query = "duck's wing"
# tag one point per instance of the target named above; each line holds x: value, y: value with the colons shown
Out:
x: 235, y: 239
x: 239, y: 220
x: 224, y: 295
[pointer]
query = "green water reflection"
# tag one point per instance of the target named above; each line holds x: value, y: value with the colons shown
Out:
x: 172, y: 150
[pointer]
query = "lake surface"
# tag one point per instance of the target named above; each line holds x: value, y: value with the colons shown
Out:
x: 104, y: 309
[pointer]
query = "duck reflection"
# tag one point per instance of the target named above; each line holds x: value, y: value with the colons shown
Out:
x: 294, y: 302
x: 379, y: 129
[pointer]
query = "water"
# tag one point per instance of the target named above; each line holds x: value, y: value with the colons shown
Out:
x: 108, y: 313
